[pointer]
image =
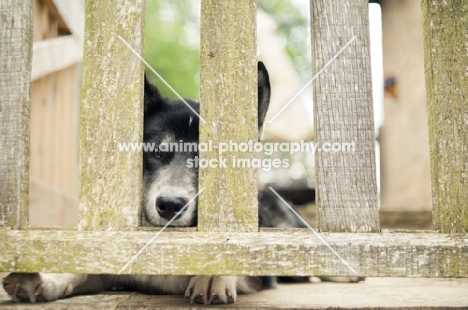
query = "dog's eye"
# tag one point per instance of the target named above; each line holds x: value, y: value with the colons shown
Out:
x: 157, y: 154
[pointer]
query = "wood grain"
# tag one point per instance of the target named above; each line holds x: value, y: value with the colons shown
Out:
x: 296, y: 252
x: 16, y: 27
x: 228, y: 91
x: 446, y: 63
x: 346, y: 190
x: 111, y: 113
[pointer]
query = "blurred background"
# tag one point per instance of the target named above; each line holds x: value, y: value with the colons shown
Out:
x: 172, y: 49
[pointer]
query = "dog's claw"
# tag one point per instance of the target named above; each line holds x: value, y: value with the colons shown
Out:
x: 211, y: 290
x: 216, y: 300
x: 230, y: 297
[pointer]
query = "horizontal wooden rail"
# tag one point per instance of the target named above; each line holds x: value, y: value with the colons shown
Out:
x: 54, y: 55
x: 293, y: 252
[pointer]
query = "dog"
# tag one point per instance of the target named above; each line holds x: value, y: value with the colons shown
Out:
x: 169, y: 184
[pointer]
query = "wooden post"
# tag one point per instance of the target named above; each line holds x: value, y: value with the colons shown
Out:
x: 445, y: 27
x: 16, y: 26
x: 228, y: 94
x: 111, y: 113
x: 346, y: 181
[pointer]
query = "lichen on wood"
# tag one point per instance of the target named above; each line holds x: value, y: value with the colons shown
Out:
x: 228, y: 92
x: 111, y: 113
x: 445, y: 25
x: 16, y: 27
x: 269, y: 252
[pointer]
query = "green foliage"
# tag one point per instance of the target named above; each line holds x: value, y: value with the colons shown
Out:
x: 293, y: 31
x: 172, y: 41
x: 172, y: 45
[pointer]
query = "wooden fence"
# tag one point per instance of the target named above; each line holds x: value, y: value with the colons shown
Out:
x: 227, y: 240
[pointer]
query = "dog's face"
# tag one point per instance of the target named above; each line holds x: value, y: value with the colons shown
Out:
x: 169, y: 182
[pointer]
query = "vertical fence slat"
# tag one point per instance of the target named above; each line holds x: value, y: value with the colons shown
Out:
x: 111, y: 113
x: 16, y: 27
x: 228, y: 94
x: 445, y: 25
x: 343, y: 112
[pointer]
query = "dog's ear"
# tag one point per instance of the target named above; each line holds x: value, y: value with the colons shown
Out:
x: 263, y: 93
x: 152, y: 97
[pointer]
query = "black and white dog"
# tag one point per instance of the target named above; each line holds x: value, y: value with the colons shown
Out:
x: 168, y: 186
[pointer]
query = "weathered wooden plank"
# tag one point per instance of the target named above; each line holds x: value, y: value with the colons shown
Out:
x: 343, y: 117
x: 54, y: 55
x: 296, y: 252
x: 446, y: 62
x: 111, y: 113
x: 228, y: 94
x: 16, y: 25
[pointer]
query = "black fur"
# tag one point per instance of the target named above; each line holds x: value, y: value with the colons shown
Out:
x: 171, y: 118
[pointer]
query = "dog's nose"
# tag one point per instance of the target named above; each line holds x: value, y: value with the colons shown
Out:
x: 168, y: 206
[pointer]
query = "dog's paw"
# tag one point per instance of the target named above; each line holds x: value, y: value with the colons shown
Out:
x: 212, y: 290
x: 34, y: 287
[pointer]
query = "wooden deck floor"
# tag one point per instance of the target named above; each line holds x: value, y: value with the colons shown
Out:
x: 374, y: 293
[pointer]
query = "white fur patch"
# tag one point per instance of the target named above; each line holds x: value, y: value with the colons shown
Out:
x: 165, y: 184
